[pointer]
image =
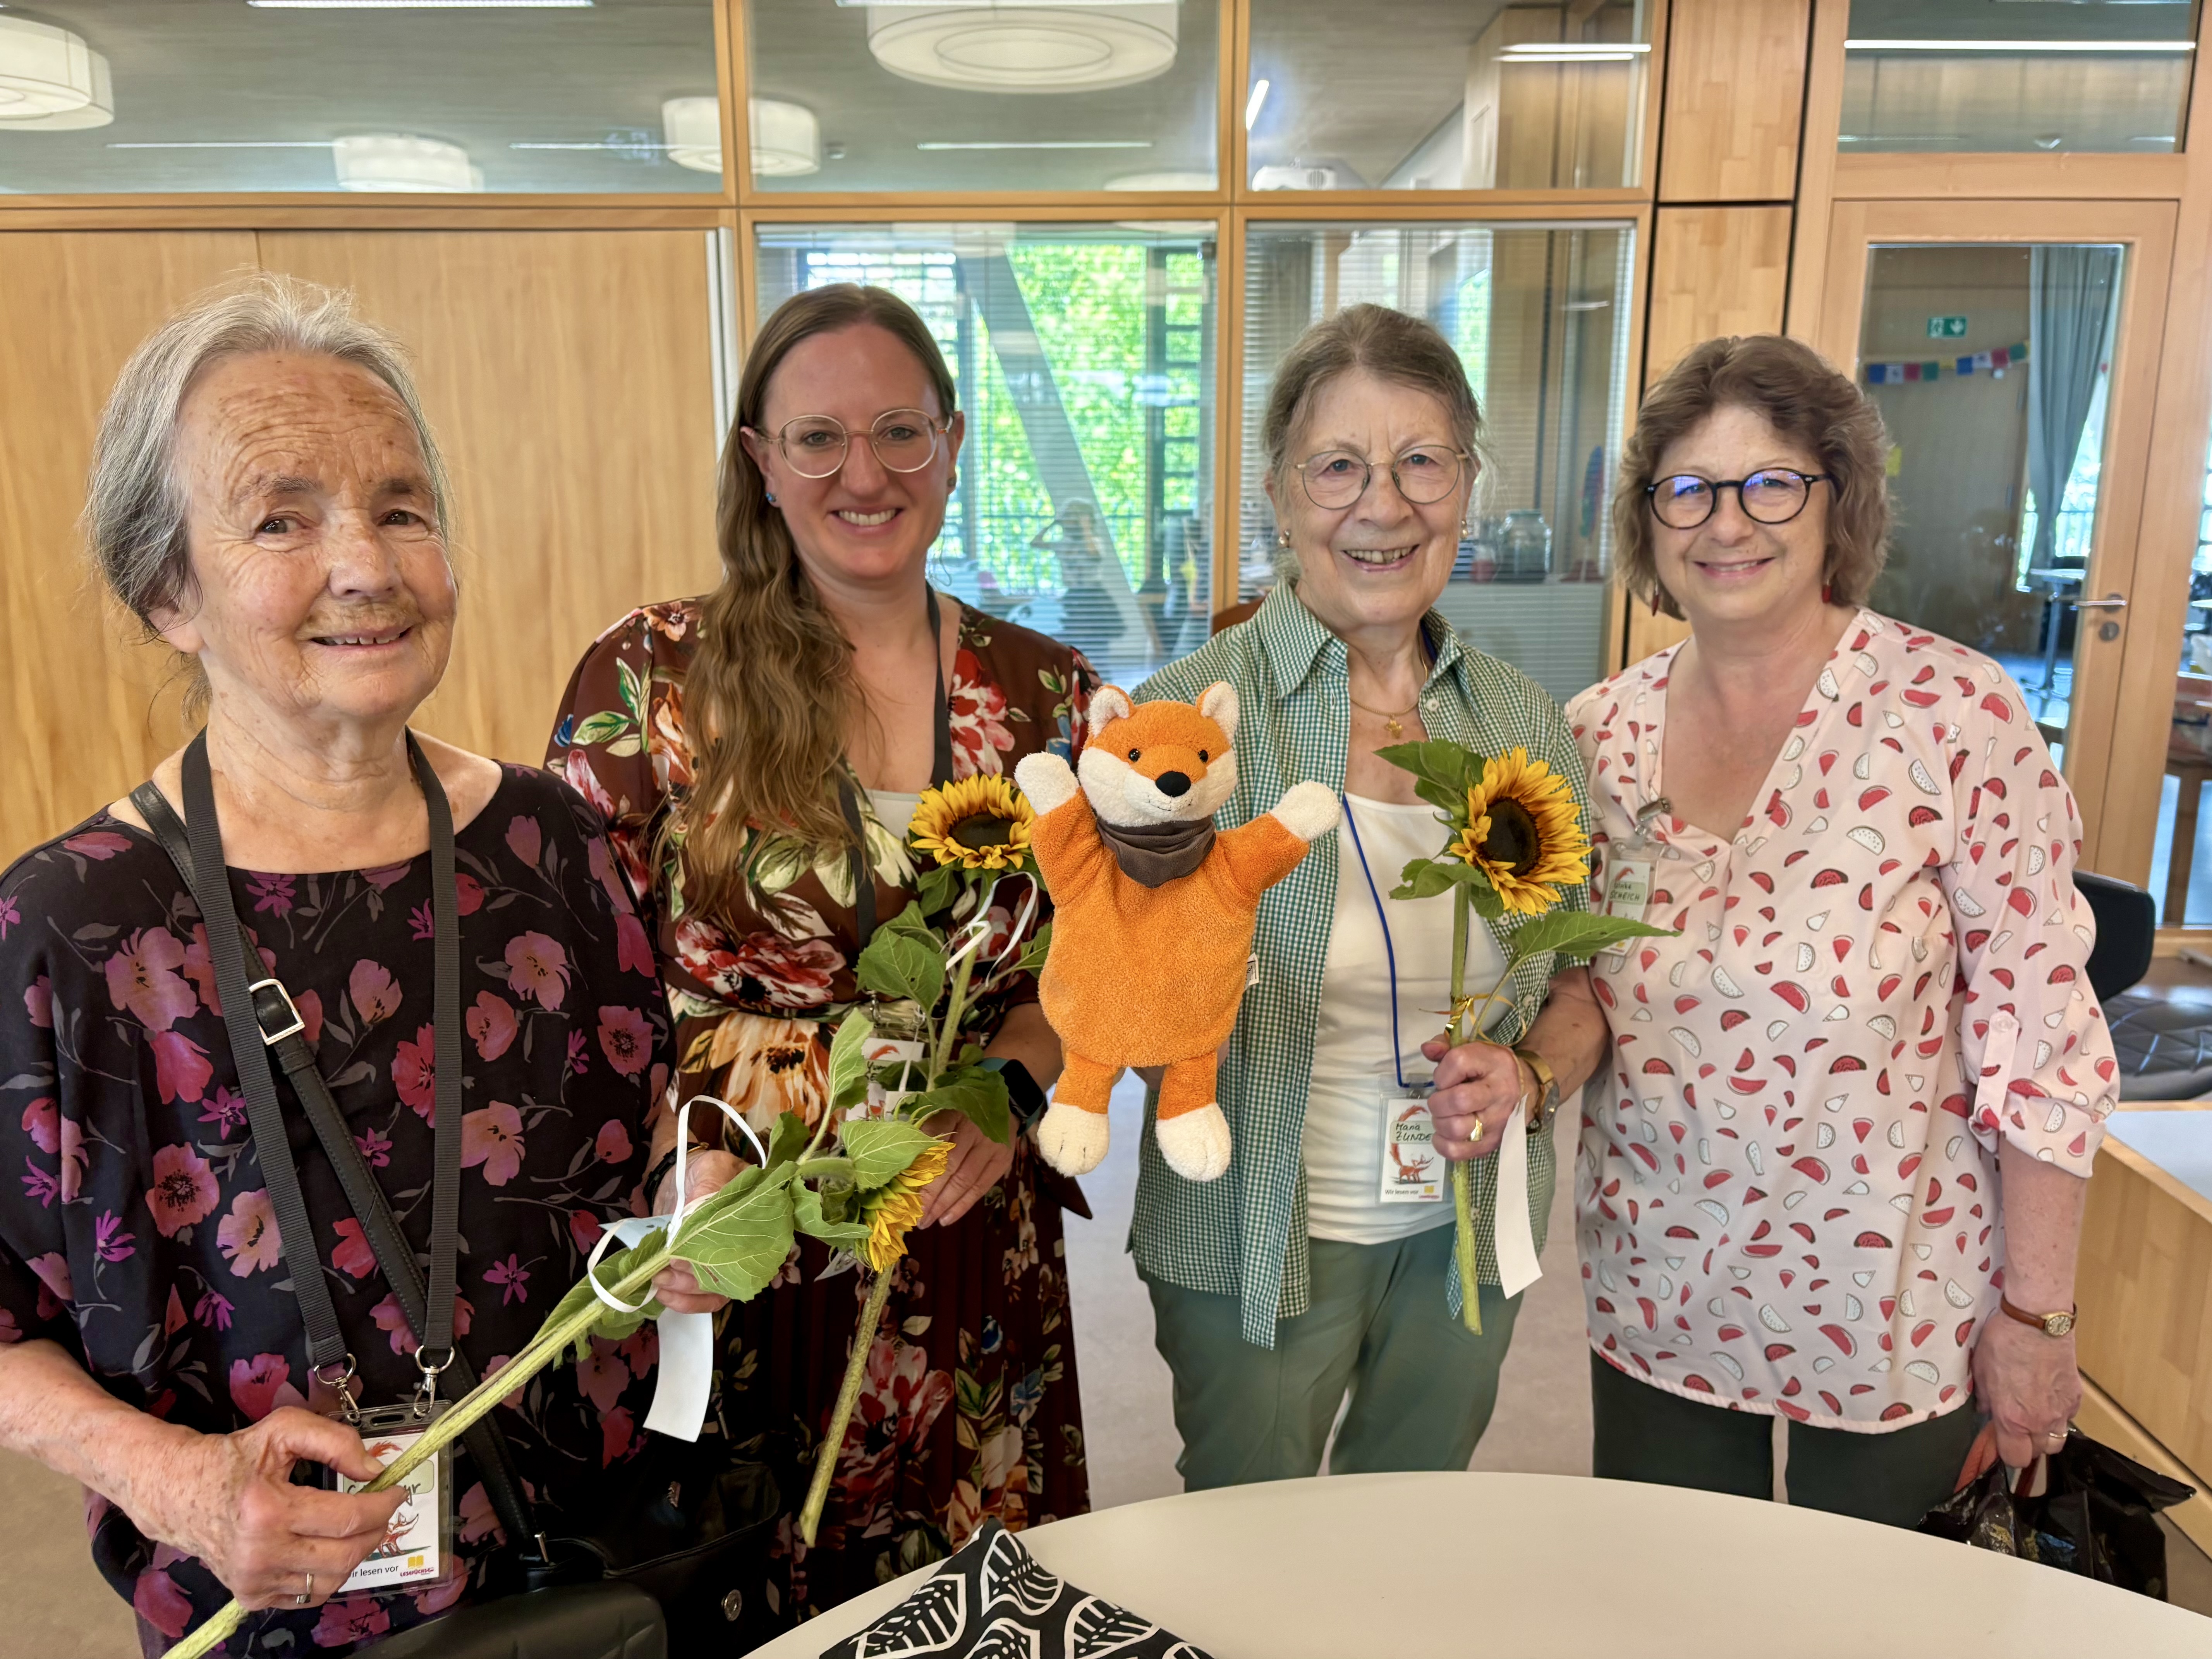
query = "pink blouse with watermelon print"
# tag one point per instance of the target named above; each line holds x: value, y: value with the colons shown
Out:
x: 1788, y: 1198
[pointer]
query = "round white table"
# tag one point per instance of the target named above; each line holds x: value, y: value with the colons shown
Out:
x: 1473, y: 1565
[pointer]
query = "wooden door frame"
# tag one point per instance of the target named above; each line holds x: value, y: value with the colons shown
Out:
x: 2147, y: 229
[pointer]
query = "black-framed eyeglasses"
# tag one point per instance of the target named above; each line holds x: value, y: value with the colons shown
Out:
x: 815, y: 446
x: 1773, y: 494
x: 1337, y: 478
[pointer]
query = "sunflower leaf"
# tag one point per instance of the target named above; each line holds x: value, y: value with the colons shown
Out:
x: 611, y: 1323
x: 737, y: 1248
x: 1031, y: 960
x: 788, y: 1141
x: 1447, y: 765
x: 905, y: 961
x: 1444, y: 797
x: 977, y: 1092
x: 848, y: 1062
x: 1427, y: 878
x: 881, y: 1148
x: 808, y: 1215
x: 1577, y: 935
x: 939, y: 887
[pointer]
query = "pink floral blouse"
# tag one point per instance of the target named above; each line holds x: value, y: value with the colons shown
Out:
x: 1788, y: 1199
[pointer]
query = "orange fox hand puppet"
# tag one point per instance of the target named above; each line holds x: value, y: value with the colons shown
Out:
x: 1152, y: 914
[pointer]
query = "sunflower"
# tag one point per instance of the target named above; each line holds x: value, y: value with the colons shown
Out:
x: 981, y: 823
x: 895, y: 1205
x: 1523, y: 832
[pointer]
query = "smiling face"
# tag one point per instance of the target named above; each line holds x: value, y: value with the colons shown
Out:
x: 320, y: 588
x: 1379, y: 563
x: 863, y: 525
x: 1731, y: 569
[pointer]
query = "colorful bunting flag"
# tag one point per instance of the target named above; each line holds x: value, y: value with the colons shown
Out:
x: 1978, y: 363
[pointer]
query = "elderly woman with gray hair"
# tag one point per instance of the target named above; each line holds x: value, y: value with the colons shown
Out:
x: 1304, y: 1275
x: 192, y: 1303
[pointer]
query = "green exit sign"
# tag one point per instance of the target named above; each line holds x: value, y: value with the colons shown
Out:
x: 1947, y: 328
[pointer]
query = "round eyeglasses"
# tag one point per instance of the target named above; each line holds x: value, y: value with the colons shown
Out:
x: 814, y: 446
x: 1337, y: 477
x: 1774, y: 495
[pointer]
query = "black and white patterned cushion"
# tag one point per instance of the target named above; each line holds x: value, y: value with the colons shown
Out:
x: 992, y: 1600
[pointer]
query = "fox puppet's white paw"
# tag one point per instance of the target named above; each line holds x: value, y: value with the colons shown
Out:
x: 1307, y: 810
x: 1047, y: 779
x: 1196, y: 1143
x: 1072, y: 1140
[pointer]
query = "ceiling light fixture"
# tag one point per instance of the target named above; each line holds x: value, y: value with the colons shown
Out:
x: 1156, y: 183
x: 693, y: 128
x: 2021, y: 45
x: 1576, y: 49
x: 993, y: 46
x: 399, y: 161
x: 786, y: 139
x: 44, y: 71
x: 99, y: 111
x: 1252, y: 104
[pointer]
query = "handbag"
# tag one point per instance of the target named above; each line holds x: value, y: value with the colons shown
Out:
x: 684, y: 1548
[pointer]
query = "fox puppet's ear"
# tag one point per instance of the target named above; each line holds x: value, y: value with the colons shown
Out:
x: 1218, y: 703
x: 1110, y: 702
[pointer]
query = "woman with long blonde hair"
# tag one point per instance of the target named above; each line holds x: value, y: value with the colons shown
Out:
x: 760, y: 752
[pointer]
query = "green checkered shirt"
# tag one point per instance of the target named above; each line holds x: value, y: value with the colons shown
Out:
x: 1245, y: 1235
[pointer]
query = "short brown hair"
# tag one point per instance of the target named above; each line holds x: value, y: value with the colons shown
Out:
x: 1389, y: 344
x: 1795, y: 391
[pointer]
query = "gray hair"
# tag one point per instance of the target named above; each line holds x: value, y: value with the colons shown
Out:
x: 135, y: 504
x: 1391, y: 345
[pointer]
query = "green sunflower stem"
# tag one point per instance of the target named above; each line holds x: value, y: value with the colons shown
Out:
x: 1462, y: 1173
x: 848, y: 1391
x: 542, y: 1351
x: 948, y: 1032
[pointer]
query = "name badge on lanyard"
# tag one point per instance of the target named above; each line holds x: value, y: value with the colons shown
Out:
x: 1628, y: 875
x: 418, y: 1541
x: 1413, y: 1172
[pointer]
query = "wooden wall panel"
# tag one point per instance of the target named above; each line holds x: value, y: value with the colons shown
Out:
x: 87, y: 710
x: 1736, y: 85
x: 1714, y: 271
x: 567, y: 375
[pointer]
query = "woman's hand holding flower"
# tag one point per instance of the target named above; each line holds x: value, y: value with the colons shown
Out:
x: 1477, y: 1085
x: 677, y: 1288
x: 231, y: 1503
x: 978, y: 1164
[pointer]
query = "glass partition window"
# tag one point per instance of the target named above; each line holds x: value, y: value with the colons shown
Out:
x: 988, y: 94
x: 2001, y: 75
x: 1449, y: 95
x: 1539, y: 314
x: 208, y: 95
x: 1085, y: 360
x: 2181, y: 866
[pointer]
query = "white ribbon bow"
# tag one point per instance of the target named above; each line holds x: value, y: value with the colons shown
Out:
x: 687, y: 1339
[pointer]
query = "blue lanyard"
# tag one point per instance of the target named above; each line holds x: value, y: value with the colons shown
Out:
x: 1390, y: 951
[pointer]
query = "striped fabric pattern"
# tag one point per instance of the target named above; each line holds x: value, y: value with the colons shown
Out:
x: 1245, y: 1235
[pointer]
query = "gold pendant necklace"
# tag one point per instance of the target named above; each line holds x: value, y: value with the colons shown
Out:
x: 1394, y: 722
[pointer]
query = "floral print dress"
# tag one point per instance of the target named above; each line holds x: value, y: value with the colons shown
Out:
x: 1788, y: 1200
x: 969, y: 1410
x: 136, y: 1229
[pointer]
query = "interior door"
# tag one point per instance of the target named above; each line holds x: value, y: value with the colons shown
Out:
x: 2012, y: 347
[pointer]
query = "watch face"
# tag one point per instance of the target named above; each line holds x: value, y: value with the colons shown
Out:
x: 2058, y: 1324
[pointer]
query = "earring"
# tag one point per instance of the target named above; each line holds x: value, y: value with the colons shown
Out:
x: 1655, y: 601
x: 1828, y: 592
x: 1282, y: 539
x: 771, y: 498
x: 951, y: 481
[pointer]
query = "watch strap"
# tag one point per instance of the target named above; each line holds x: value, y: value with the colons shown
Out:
x: 1547, y: 1087
x: 2053, y: 1325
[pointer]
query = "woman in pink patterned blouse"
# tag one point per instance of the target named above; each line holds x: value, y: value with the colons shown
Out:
x: 1840, y: 1173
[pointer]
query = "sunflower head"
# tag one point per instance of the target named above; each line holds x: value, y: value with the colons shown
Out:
x: 980, y: 822
x: 1523, y: 833
x: 896, y: 1206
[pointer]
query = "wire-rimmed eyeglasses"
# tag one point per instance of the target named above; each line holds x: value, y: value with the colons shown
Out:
x: 1337, y: 477
x: 1773, y: 494
x: 815, y: 446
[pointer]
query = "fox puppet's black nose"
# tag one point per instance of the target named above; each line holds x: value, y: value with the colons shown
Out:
x: 1173, y: 783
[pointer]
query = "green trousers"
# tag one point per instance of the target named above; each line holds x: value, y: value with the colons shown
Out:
x: 1640, y: 1433
x: 1422, y: 1385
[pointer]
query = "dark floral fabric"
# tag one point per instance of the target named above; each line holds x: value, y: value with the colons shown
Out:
x: 970, y: 1410
x: 136, y: 1229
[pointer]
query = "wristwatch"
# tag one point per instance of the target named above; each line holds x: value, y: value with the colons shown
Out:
x: 1547, y: 1088
x: 2051, y: 1324
x: 1022, y: 1095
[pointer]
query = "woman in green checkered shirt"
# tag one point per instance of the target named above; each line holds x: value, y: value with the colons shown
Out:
x: 1321, y: 1263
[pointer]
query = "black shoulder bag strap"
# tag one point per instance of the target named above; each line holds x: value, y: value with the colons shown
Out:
x: 941, y: 772
x: 260, y: 1016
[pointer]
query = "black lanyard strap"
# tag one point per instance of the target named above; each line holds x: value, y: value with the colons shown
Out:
x: 941, y: 772
x: 259, y: 1017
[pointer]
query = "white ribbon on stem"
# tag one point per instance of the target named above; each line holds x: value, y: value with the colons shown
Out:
x: 687, y: 1339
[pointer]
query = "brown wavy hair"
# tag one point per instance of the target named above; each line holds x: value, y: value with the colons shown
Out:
x: 1792, y: 388
x: 771, y: 689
